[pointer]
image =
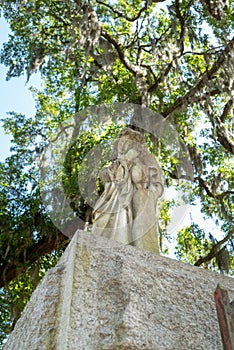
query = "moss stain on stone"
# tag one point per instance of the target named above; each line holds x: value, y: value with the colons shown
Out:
x: 121, y: 332
x: 85, y: 257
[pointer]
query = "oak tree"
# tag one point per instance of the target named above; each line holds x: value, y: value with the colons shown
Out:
x: 175, y: 57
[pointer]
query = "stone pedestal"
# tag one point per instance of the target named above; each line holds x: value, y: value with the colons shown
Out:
x: 105, y: 295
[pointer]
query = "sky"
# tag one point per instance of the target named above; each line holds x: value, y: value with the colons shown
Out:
x: 14, y: 95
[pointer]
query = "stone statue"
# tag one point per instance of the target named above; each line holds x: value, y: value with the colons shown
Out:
x: 127, y: 208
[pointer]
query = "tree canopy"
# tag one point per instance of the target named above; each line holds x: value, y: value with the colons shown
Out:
x: 175, y: 57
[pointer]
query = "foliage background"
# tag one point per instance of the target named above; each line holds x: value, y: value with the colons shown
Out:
x: 176, y: 57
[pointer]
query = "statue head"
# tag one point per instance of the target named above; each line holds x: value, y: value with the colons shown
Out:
x: 131, y: 134
x: 128, y: 139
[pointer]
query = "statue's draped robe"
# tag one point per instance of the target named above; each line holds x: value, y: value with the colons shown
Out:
x: 127, y: 209
x: 112, y: 215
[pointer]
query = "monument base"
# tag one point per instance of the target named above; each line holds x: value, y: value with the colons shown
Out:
x: 105, y: 295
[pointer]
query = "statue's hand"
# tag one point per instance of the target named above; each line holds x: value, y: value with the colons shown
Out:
x: 129, y: 156
x: 104, y: 175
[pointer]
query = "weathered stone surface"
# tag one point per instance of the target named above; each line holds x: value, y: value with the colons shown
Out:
x: 104, y: 295
x: 127, y: 209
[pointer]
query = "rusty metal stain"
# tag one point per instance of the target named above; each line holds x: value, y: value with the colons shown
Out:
x: 225, y: 312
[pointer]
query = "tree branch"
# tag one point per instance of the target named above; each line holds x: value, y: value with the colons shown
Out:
x: 217, y: 197
x: 225, y: 142
x: 224, y: 194
x: 227, y: 109
x: 214, y: 249
x: 181, y: 44
x: 160, y: 78
x: 208, y: 190
x: 47, y: 244
x: 203, y: 52
x: 201, y: 83
x: 122, y: 15
x: 204, y: 185
x: 123, y: 59
x: 182, y: 26
x: 206, y: 95
x: 223, y: 135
